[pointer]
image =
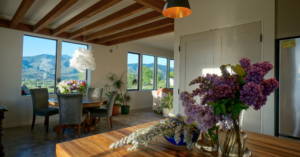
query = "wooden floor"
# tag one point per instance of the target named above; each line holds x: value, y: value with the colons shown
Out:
x: 98, y: 145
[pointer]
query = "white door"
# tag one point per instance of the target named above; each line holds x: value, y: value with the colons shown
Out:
x: 204, y: 52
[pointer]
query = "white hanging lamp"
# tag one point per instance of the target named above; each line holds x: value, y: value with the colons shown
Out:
x: 83, y: 59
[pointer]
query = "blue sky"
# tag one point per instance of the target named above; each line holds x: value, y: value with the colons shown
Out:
x: 33, y: 46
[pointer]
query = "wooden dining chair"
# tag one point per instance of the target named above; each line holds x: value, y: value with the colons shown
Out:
x: 41, y: 106
x: 70, y: 112
x: 106, y: 112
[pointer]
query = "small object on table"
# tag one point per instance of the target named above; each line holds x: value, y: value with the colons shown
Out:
x: 2, y: 110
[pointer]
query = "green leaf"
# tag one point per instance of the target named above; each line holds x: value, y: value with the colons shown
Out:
x: 213, y: 104
x: 217, y: 110
x: 223, y: 109
x: 244, y: 106
x: 239, y: 70
x: 240, y: 80
x: 236, y: 110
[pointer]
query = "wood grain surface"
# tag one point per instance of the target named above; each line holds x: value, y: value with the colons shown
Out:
x: 98, y: 145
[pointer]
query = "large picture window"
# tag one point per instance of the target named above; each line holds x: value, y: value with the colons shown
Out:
x: 67, y: 72
x: 148, y: 72
x: 133, y: 68
x: 171, y: 81
x: 38, y: 64
x: 161, y: 72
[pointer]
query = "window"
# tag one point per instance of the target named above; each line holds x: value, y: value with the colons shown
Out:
x: 67, y: 72
x: 171, y: 81
x: 161, y: 72
x: 38, y: 64
x: 133, y: 68
x: 148, y: 72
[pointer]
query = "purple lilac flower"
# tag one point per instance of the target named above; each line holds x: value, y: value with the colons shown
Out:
x: 270, y: 86
x: 255, y: 74
x: 251, y: 94
x: 265, y: 66
x: 224, y: 71
x: 226, y: 121
x: 245, y: 63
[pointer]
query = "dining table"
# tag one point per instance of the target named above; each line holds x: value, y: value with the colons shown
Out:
x: 261, y: 145
x: 88, y: 103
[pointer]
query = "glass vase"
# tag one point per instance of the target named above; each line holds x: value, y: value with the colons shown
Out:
x: 207, y: 144
x: 233, y: 141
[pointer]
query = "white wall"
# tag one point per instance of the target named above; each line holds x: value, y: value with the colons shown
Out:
x: 116, y: 62
x: 20, y: 107
x: 208, y: 14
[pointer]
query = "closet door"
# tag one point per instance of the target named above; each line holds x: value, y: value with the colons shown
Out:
x: 204, y: 52
x: 196, y: 57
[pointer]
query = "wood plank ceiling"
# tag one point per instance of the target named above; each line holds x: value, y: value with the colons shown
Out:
x: 133, y: 29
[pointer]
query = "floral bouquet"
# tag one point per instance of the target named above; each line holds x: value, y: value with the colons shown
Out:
x: 172, y: 127
x: 224, y: 99
x: 67, y: 87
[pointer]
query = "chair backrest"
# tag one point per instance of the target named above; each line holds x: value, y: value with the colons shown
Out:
x: 39, y: 98
x: 95, y: 92
x: 70, y: 108
x: 110, y: 102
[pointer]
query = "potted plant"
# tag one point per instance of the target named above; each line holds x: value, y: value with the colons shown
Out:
x: 166, y: 106
x: 125, y: 108
x: 118, y: 82
x: 117, y: 104
x: 173, y: 129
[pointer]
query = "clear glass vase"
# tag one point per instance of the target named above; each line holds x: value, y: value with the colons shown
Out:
x: 233, y: 141
x: 207, y: 144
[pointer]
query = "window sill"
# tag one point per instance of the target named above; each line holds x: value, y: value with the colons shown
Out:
x: 30, y: 95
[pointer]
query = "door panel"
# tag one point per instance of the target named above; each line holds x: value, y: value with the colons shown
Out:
x: 205, y: 52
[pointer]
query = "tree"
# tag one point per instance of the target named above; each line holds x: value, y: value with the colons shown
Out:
x: 172, y: 74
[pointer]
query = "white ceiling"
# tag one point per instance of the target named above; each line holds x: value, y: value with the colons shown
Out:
x: 41, y: 7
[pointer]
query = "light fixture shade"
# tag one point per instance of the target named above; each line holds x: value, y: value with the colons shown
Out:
x: 83, y: 59
x: 177, y: 8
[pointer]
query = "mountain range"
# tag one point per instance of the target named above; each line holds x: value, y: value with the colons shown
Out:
x: 46, y: 63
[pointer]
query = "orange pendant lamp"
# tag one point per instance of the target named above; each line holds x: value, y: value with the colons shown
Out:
x: 177, y: 8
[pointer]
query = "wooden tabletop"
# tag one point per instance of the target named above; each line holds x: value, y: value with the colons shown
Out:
x: 87, y: 102
x: 98, y: 145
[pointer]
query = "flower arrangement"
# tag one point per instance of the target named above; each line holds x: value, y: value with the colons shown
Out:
x: 67, y: 87
x: 224, y: 97
x: 173, y: 126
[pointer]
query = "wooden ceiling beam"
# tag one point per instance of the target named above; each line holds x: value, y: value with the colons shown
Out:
x: 140, y: 29
x: 89, y: 12
x: 130, y: 10
x: 124, y: 25
x: 53, y: 14
x: 23, y: 8
x: 157, y: 5
x: 155, y: 32
x: 43, y: 31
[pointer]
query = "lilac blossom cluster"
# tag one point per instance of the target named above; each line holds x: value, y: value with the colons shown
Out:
x: 251, y: 89
x: 213, y: 87
x: 203, y: 115
x: 256, y: 89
